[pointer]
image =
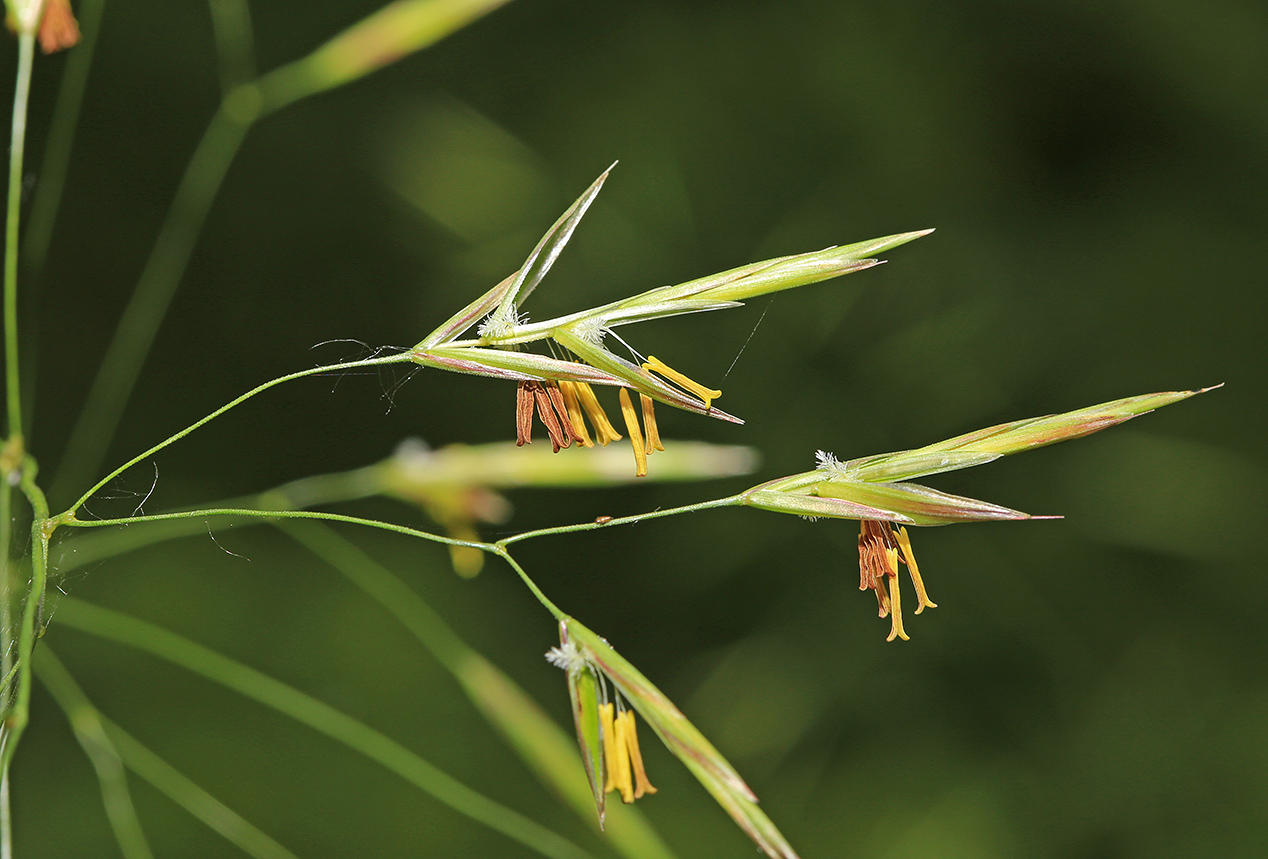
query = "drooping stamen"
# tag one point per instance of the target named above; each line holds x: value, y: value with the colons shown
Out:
x: 569, y: 394
x: 904, y: 546
x: 561, y: 409
x: 607, y: 738
x: 652, y: 440
x: 707, y: 395
x: 624, y: 776
x: 636, y: 437
x: 895, y: 598
x: 604, y: 432
x: 523, y: 414
x: 641, y: 784
x: 546, y: 412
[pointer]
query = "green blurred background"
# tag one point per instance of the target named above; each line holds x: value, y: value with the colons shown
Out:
x: 1089, y: 687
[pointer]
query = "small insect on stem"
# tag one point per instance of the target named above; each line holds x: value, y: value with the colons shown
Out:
x: 603, y: 520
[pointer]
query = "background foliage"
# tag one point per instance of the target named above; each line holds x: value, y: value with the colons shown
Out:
x: 1091, y: 687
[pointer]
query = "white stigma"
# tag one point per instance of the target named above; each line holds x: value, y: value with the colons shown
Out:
x: 829, y: 463
x: 591, y: 330
x: 500, y: 324
x: 566, y: 656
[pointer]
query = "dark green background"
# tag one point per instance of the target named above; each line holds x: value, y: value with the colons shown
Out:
x: 1090, y: 687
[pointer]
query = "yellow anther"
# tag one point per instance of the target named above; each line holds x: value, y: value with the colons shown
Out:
x: 624, y: 776
x: 604, y: 432
x: 641, y: 784
x: 574, y: 411
x: 922, y: 598
x: 895, y: 611
x: 607, y: 739
x: 708, y: 395
x: 636, y: 437
x: 652, y: 440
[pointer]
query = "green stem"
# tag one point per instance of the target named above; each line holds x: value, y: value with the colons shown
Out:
x: 320, y: 717
x: 235, y: 53
x: 8, y: 678
x: 532, y: 586
x: 17, y: 148
x: 329, y: 368
x: 6, y: 587
x: 6, y: 820
x: 86, y: 723
x: 41, y: 528
x: 731, y: 501
x: 7, y: 642
x: 252, y: 513
x: 119, y: 369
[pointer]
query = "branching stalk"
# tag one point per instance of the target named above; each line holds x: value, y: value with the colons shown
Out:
x: 314, y: 371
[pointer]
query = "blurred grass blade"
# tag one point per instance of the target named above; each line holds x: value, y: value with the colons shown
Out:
x: 389, y: 34
x: 87, y: 725
x: 395, y: 31
x: 169, y: 781
x: 320, y: 717
x: 117, y: 372
x: 55, y: 163
x: 546, y: 748
x: 149, y: 766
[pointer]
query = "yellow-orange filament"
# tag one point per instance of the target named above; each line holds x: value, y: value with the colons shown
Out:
x: 707, y: 395
x: 636, y: 436
x: 650, y: 431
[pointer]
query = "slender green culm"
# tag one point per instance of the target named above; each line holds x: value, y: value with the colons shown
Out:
x: 17, y: 150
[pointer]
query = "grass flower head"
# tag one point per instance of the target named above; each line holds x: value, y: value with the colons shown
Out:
x: 609, y: 744
x: 504, y: 332
x: 876, y: 491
